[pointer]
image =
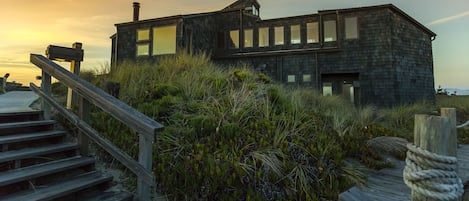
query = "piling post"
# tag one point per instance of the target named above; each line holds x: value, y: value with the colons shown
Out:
x: 431, y: 162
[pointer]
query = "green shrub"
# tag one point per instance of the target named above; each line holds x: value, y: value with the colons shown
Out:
x: 232, y: 134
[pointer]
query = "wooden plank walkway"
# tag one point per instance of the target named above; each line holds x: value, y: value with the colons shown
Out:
x: 388, y: 184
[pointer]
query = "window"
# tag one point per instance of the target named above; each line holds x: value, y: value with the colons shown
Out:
x: 291, y: 78
x: 330, y: 33
x: 306, y: 77
x: 264, y: 37
x: 351, y: 28
x: 279, y: 35
x: 327, y: 88
x: 143, y: 49
x: 248, y: 38
x: 312, y: 32
x: 295, y: 34
x: 164, y: 40
x: 143, y: 34
x: 234, y: 39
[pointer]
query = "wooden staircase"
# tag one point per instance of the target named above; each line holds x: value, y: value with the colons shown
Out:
x: 38, y: 163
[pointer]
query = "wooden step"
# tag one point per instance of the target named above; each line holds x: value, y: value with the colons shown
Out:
x: 31, y: 172
x: 75, y: 184
x: 109, y: 196
x: 21, y: 116
x: 26, y: 127
x: 38, y: 151
x: 6, y: 139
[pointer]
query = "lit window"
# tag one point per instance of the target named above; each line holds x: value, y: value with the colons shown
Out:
x: 330, y: 33
x: 312, y: 32
x: 291, y: 78
x: 143, y: 49
x: 234, y: 39
x: 164, y: 40
x: 295, y: 34
x: 264, y: 37
x: 351, y: 28
x: 143, y: 34
x: 307, y: 78
x: 327, y: 89
x: 248, y: 38
x: 279, y: 35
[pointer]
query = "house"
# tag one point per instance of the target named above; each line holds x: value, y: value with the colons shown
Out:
x: 375, y: 55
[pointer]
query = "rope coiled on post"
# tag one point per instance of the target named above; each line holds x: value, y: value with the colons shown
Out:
x: 431, y: 174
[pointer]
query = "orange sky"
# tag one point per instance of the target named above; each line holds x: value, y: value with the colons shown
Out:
x: 29, y: 26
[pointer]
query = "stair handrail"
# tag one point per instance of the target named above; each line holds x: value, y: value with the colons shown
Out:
x: 143, y: 125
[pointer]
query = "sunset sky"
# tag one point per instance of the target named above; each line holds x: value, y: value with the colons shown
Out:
x: 29, y: 26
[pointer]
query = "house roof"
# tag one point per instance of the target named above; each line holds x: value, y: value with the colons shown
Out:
x: 241, y: 4
x: 385, y: 6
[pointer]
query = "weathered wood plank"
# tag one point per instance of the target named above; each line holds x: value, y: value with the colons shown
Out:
x: 388, y: 184
x: 28, y: 173
x: 29, y: 152
x: 76, y: 184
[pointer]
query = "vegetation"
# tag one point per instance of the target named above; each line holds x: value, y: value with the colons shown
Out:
x: 232, y: 134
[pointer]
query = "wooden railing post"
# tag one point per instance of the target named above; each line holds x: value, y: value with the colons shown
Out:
x: 434, y: 134
x: 450, y: 113
x: 84, y: 114
x: 72, y: 97
x: 47, y: 88
x: 145, y: 159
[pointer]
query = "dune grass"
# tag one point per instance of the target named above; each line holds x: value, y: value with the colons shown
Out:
x: 232, y: 134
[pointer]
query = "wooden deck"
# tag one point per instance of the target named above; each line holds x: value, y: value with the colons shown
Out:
x: 388, y: 184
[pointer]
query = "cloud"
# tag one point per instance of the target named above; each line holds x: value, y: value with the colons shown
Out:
x: 450, y: 18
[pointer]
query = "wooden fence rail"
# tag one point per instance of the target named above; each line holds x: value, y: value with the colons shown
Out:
x: 143, y: 125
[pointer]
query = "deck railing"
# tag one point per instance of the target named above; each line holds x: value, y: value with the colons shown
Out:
x: 87, y: 93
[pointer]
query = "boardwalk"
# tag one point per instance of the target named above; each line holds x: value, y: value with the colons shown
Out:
x: 388, y: 184
x: 17, y: 101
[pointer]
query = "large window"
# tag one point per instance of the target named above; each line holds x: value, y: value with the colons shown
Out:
x: 351, y: 28
x: 330, y: 33
x: 264, y: 37
x: 234, y: 39
x: 312, y: 32
x: 279, y: 35
x: 164, y: 40
x: 248, y: 38
x: 295, y: 34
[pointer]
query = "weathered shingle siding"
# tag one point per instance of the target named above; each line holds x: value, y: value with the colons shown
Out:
x: 413, y: 61
x: 203, y: 30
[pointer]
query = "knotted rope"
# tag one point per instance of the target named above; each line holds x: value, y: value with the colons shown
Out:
x: 432, y: 175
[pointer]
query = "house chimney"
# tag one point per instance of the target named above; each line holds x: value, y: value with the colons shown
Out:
x: 136, y: 11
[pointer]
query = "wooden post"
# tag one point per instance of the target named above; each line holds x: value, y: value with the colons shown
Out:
x: 47, y: 88
x: 75, y: 69
x: 145, y: 159
x: 450, y: 113
x: 431, y: 133
x: 84, y: 114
